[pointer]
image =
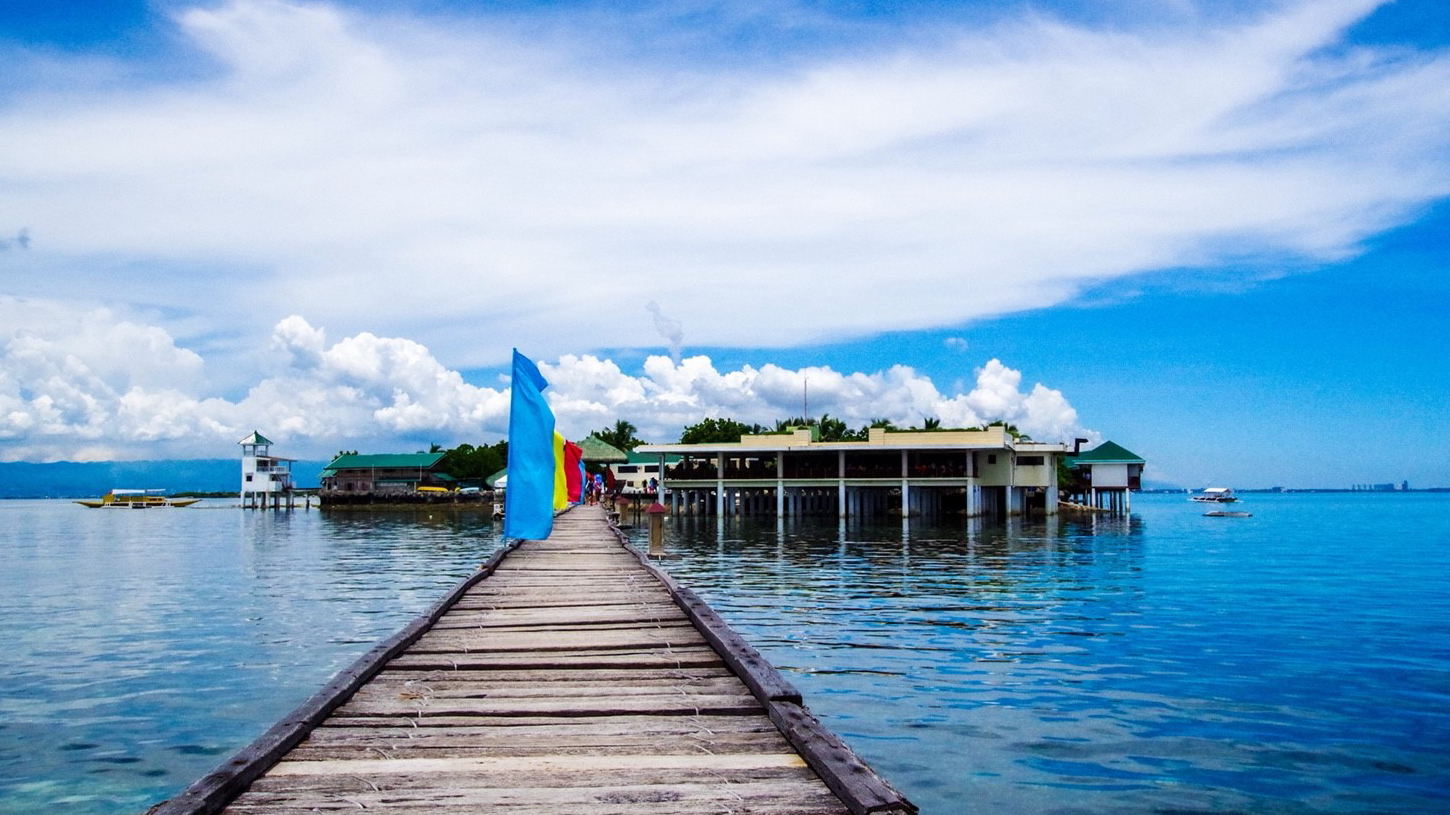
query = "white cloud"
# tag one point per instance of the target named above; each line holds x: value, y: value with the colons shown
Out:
x: 436, y: 180
x: 61, y: 397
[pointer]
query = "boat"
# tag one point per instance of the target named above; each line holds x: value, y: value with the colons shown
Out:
x: 136, y: 499
x: 1222, y: 513
x: 1215, y: 495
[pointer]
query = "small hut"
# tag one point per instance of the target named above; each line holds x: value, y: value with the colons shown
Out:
x: 599, y: 451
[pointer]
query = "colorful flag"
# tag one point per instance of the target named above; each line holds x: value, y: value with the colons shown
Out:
x: 529, y: 495
x: 574, y: 470
x: 561, y: 478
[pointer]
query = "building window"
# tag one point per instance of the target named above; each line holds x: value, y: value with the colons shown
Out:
x: 249, y: 476
x: 1031, y: 461
x: 991, y: 458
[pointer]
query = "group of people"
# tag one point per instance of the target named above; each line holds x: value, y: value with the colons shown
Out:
x: 593, y: 488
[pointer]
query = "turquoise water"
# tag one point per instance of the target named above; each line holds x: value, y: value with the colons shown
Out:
x: 1294, y: 662
x: 142, y: 648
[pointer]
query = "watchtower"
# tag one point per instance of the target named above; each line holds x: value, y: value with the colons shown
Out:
x: 265, y: 477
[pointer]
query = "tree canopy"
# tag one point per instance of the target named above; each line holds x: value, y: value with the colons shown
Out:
x: 466, y: 462
x: 718, y: 431
x: 829, y: 428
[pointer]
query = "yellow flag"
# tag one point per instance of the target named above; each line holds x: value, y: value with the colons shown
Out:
x: 561, y: 478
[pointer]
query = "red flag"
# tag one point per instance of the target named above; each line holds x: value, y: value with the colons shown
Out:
x: 573, y: 472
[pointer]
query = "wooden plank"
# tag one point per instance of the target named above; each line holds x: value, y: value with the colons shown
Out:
x: 758, y: 798
x: 518, y: 766
x: 656, y: 705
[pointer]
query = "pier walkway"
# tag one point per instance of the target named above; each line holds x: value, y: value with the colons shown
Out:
x: 568, y: 676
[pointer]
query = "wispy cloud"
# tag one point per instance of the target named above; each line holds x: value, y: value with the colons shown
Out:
x: 446, y: 181
x: 20, y: 241
x: 106, y: 388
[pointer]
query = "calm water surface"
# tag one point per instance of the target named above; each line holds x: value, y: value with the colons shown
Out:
x: 1294, y: 662
x: 142, y: 648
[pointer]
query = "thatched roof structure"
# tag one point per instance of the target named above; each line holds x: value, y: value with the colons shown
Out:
x: 597, y: 450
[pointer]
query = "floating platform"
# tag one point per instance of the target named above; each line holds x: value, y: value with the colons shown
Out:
x: 567, y: 676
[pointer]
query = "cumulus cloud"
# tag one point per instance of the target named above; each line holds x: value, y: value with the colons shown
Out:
x: 425, y: 177
x: 91, y: 386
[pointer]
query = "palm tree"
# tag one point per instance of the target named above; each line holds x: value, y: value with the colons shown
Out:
x: 1010, y: 428
x: 620, y: 436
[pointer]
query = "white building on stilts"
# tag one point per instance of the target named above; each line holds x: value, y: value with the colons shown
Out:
x: 266, y: 479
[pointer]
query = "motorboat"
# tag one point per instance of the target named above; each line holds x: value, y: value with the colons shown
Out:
x: 136, y: 499
x: 1215, y: 495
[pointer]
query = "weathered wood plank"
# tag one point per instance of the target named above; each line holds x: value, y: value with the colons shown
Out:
x: 521, y: 727
x: 679, y: 658
x: 563, y: 688
x: 479, y: 774
x: 615, y: 675
x: 548, y: 766
x: 654, y: 705
x: 758, y: 798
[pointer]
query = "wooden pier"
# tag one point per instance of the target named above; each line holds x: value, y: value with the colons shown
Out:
x: 567, y: 676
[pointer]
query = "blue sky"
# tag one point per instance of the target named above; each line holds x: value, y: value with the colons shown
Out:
x: 1212, y: 232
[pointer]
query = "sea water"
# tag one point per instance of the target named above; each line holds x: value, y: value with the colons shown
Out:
x: 1296, y: 661
x: 138, y: 649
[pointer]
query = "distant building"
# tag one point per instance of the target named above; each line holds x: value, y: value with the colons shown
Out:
x: 1107, y: 476
x: 1389, y: 487
x: 965, y: 472
x: 633, y: 477
x: 385, y: 473
x: 265, y: 477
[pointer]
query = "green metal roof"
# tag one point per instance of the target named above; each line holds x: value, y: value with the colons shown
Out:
x: 652, y: 458
x: 255, y: 438
x: 1107, y: 453
x: 382, y: 461
x: 493, y: 479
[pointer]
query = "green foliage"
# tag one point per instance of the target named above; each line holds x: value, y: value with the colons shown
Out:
x: 1010, y: 428
x: 466, y: 462
x: 620, y: 436
x: 829, y: 428
x: 718, y: 431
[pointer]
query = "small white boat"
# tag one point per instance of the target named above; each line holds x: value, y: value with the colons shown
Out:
x: 1215, y: 495
x: 1221, y: 513
x: 136, y: 499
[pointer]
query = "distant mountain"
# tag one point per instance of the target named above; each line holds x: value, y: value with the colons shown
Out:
x: 89, y: 479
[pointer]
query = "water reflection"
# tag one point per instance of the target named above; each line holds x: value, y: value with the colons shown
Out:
x: 919, y: 640
x: 1160, y: 662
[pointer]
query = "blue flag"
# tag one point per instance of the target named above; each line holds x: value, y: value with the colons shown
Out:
x: 529, y: 492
